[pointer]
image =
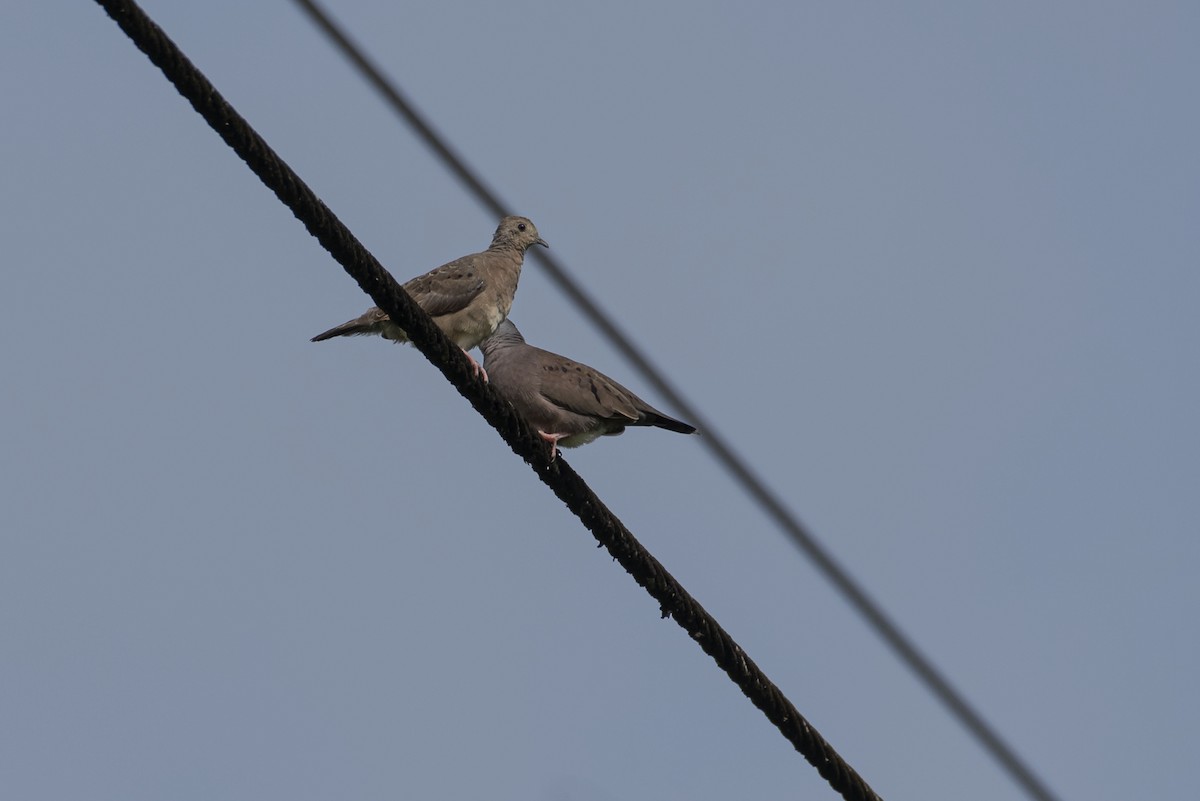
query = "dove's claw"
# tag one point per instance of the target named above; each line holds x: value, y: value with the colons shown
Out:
x: 476, y: 367
x: 553, y: 440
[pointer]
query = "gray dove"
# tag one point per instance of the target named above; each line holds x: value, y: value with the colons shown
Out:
x: 567, y: 403
x: 467, y: 297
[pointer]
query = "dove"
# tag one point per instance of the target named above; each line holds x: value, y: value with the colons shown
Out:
x: 569, y: 404
x: 467, y: 297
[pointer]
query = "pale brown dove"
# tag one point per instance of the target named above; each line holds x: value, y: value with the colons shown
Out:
x: 467, y: 297
x: 569, y: 404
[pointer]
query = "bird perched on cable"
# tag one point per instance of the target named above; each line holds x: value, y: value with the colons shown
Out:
x: 569, y: 404
x: 467, y: 297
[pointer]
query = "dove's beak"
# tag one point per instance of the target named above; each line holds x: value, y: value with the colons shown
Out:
x: 541, y: 242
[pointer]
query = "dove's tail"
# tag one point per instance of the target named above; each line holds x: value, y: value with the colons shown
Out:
x: 339, y: 331
x: 669, y: 423
x: 353, y: 328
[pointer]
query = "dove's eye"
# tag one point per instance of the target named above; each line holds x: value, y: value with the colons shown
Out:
x: 520, y: 226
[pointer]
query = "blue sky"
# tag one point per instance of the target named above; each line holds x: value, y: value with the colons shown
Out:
x: 933, y: 269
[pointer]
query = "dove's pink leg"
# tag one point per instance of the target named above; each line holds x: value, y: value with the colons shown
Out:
x: 553, y: 440
x: 476, y: 366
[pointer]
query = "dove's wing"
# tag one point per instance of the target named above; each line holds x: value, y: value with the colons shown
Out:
x: 583, y: 390
x: 449, y: 288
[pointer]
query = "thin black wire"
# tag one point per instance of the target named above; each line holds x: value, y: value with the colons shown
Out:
x: 904, y: 647
x: 674, y: 600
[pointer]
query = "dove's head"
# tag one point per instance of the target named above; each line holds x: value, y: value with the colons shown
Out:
x: 518, y: 233
x: 506, y: 330
x: 506, y: 336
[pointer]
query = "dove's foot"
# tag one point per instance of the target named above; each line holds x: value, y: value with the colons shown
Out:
x: 553, y: 440
x: 476, y: 367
